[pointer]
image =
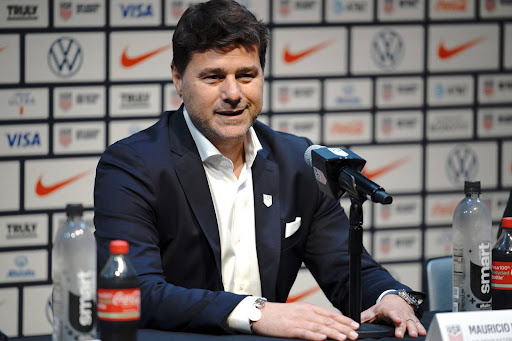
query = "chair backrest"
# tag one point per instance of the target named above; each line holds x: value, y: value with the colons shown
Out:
x: 439, y: 283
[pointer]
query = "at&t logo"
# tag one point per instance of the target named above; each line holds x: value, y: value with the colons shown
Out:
x: 387, y: 49
x: 337, y: 7
x: 439, y: 90
x: 65, y: 57
x: 461, y: 164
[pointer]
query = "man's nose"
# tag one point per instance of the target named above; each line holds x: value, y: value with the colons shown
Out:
x: 231, y: 90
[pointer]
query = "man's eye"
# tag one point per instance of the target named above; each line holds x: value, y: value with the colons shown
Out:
x: 212, y: 78
x: 246, y: 76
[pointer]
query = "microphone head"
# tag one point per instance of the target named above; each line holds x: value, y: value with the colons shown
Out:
x: 307, y: 153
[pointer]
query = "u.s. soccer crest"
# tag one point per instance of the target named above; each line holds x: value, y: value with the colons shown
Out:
x: 65, y: 10
x: 454, y: 332
x: 267, y: 200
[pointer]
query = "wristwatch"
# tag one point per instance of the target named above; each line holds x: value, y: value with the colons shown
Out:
x: 255, y: 311
x: 414, y: 299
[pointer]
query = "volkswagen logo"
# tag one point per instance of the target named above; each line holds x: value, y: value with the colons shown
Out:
x: 387, y: 49
x: 65, y: 57
x: 461, y: 164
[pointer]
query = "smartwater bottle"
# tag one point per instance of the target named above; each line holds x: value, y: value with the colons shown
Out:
x: 74, y: 279
x: 471, y: 252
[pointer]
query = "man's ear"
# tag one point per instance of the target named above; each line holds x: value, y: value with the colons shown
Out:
x: 176, y: 79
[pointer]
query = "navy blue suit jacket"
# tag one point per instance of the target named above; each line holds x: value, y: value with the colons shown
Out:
x: 151, y: 190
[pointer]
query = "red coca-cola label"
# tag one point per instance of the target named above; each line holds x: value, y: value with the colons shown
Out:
x: 501, y: 275
x: 119, y: 304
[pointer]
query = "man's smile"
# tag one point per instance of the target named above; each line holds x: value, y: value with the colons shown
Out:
x: 230, y: 112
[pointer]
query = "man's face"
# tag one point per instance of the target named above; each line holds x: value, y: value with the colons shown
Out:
x: 223, y: 92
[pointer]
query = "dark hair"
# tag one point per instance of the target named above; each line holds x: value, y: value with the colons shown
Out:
x: 220, y: 25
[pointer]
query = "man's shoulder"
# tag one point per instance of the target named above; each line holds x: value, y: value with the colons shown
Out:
x: 146, y: 144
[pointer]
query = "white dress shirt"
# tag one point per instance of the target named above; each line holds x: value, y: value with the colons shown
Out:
x: 233, y: 200
x: 234, y: 207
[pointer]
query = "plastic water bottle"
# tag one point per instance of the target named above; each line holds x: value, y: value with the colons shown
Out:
x: 471, y: 252
x: 74, y: 279
x: 502, y: 268
x: 118, y: 296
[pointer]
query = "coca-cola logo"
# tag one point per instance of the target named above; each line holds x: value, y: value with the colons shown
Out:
x: 124, y: 299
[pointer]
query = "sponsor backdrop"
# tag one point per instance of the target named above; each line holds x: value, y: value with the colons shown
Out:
x: 421, y: 89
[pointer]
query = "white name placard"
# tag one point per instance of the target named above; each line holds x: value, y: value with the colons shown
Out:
x: 490, y: 325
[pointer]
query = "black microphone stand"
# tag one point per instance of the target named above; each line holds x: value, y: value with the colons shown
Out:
x: 366, y: 330
x: 337, y: 171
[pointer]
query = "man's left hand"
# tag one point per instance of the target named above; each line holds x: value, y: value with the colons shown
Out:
x: 393, y: 309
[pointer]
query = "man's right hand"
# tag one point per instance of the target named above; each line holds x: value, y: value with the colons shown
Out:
x: 304, y: 321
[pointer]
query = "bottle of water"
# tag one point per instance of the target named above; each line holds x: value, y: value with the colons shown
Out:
x: 471, y: 252
x: 118, y: 296
x: 74, y: 279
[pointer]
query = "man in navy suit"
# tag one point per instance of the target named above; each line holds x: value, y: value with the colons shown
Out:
x: 221, y: 211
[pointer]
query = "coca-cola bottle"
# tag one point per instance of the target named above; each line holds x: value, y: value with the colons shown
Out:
x: 502, y: 268
x: 118, y: 296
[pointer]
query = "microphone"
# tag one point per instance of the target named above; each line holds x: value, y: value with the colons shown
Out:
x: 338, y: 170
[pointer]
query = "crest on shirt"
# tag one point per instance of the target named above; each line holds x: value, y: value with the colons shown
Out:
x: 267, y: 200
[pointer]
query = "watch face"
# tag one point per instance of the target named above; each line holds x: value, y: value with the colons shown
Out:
x: 254, y: 314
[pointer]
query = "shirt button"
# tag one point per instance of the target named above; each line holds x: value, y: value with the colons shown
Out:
x: 242, y: 287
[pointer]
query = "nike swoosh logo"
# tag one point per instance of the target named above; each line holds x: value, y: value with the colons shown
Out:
x: 384, y: 169
x: 127, y: 61
x: 43, y: 190
x: 302, y: 295
x: 445, y: 53
x: 3, y: 48
x: 290, y: 57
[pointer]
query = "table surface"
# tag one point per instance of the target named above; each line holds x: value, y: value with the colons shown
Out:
x: 159, y: 335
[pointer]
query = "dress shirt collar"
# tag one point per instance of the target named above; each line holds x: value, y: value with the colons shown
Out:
x: 206, y: 149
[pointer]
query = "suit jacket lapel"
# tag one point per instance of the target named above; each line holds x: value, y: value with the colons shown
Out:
x: 268, y: 230
x: 192, y: 177
x: 191, y: 174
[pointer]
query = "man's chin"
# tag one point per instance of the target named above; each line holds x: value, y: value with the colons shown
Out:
x: 236, y: 133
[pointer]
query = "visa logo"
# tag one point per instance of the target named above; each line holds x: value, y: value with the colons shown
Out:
x: 23, y: 140
x: 136, y: 11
